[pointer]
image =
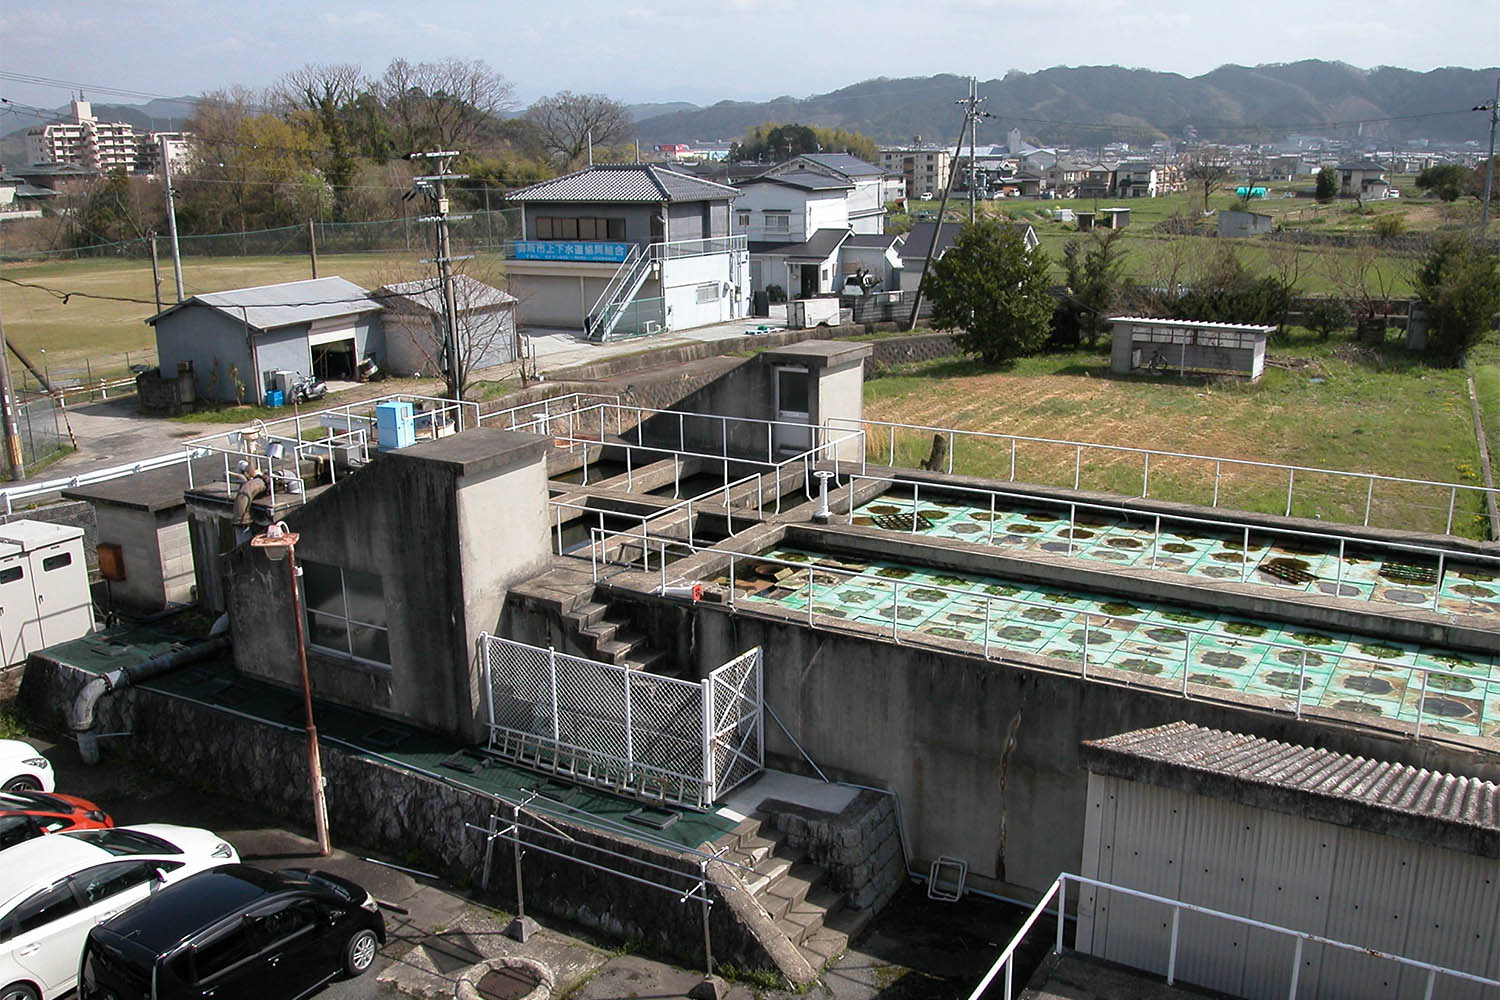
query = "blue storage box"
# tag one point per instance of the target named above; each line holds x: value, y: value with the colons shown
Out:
x: 395, y: 426
x: 275, y: 398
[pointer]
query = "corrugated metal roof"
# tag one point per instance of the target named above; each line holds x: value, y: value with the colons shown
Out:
x: 267, y: 307
x: 469, y: 293
x: 1158, y: 321
x: 629, y: 182
x: 1379, y: 795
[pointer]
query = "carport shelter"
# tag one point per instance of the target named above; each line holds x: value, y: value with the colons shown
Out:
x: 234, y: 340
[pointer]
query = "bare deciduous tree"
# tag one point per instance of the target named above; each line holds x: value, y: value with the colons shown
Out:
x: 445, y: 104
x: 485, y: 333
x: 568, y: 121
x: 1208, y: 169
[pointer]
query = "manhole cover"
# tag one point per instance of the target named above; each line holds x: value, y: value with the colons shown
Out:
x: 507, y: 984
x: 902, y: 522
x: 1290, y: 570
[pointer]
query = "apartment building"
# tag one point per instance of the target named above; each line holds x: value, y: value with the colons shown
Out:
x: 86, y: 141
x: 925, y: 170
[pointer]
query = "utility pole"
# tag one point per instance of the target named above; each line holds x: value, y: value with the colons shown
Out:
x: 1489, y: 164
x: 312, y: 247
x: 155, y: 273
x: 12, y: 429
x: 166, y: 176
x: 972, y: 114
x: 589, y: 136
x: 435, y: 187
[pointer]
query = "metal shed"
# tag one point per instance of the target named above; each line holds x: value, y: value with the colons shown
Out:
x: 1183, y: 347
x: 1369, y: 852
x: 44, y: 587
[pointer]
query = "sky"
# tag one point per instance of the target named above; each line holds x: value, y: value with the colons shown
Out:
x: 706, y: 51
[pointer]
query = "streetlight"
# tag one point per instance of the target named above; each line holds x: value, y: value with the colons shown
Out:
x: 280, y: 544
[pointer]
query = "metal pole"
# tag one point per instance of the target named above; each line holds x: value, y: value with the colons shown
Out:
x: 1489, y: 164
x: 552, y: 679
x: 314, y: 761
x: 1172, y: 948
x: 708, y: 944
x: 1301, y: 682
x: 515, y: 818
x: 155, y: 279
x: 166, y: 176
x: 312, y: 247
x: 12, y: 430
x: 1296, y: 970
x: 1421, y: 702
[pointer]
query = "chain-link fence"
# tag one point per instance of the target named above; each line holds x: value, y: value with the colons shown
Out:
x: 471, y: 232
x: 40, y: 425
x: 633, y: 732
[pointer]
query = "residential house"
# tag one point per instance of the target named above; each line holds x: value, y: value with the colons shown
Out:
x: 919, y: 241
x: 628, y: 249
x: 62, y: 178
x: 875, y: 258
x: 1136, y: 179
x: 1363, y: 179
x: 870, y: 190
x: 1098, y: 181
x: 235, y: 341
x: 1065, y: 177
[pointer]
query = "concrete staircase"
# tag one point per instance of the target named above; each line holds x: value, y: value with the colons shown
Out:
x: 611, y: 639
x: 794, y: 892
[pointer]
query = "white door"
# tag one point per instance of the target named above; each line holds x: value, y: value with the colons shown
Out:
x: 62, y: 597
x: 793, y: 408
x: 19, y: 629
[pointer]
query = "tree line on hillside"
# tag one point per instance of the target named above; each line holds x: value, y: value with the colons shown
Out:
x: 329, y: 142
x: 997, y: 295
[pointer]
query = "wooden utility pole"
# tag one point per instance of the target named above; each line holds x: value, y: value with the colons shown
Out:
x: 155, y: 273
x: 166, y: 176
x: 12, y: 428
x: 312, y: 247
x: 1489, y: 164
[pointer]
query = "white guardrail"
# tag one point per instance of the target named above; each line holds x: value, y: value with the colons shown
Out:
x: 1445, y: 494
x: 1004, y: 965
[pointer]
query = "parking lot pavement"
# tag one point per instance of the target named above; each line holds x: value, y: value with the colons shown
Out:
x: 916, y: 950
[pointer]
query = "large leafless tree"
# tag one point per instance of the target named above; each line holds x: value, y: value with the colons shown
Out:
x: 444, y: 104
x: 568, y: 122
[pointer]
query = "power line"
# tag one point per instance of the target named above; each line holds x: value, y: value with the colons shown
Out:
x: 63, y: 295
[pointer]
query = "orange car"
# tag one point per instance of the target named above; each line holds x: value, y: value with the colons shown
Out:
x: 24, y: 815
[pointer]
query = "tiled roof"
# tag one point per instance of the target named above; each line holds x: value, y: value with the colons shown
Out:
x: 807, y: 180
x: 267, y: 307
x: 877, y: 241
x: 631, y: 182
x: 819, y: 247
x: 845, y: 163
x: 1396, y: 799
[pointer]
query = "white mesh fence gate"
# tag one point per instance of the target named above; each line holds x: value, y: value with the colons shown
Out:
x: 640, y: 734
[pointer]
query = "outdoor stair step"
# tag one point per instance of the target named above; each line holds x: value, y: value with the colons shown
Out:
x: 588, y: 614
x: 823, y: 946
x: 747, y: 829
x: 802, y: 882
x: 645, y: 660
x: 801, y: 920
x: 849, y: 922
x: 768, y: 870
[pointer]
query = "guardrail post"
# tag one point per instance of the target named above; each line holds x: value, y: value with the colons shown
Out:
x: 1369, y: 499
x: 1421, y: 703
x: 1291, y: 479
x: 1072, y: 525
x: 1187, y: 655
x: 1172, y: 948
x: 1437, y: 587
x: 1146, y: 477
x: 629, y: 724
x: 1062, y: 905
x: 1086, y: 620
x: 916, y: 489
x: 1245, y: 557
x: 953, y: 443
x: 1452, y: 499
x: 1155, y: 540
x: 1296, y: 969
x: 1012, y: 459
x: 1009, y: 967
x: 892, y: 457
x: 663, y: 561
x: 987, y: 602
x: 1301, y: 682
x: 1338, y: 579
x: 895, y: 610
x: 731, y: 581
x: 515, y: 820
x: 1077, y: 464
x: 1218, y: 472
x: 552, y: 682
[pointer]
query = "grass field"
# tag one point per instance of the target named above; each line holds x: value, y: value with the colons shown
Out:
x: 106, y: 328
x: 1144, y: 246
x: 1334, y: 406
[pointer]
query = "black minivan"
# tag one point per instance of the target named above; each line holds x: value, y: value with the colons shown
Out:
x: 234, y: 933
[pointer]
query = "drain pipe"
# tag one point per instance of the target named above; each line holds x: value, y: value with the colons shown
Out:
x: 81, y: 715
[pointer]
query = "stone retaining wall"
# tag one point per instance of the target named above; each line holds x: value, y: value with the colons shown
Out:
x: 860, y: 848
x: 383, y: 806
x: 892, y: 352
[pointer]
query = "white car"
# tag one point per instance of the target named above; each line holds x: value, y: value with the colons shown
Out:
x: 24, y: 769
x: 53, y: 890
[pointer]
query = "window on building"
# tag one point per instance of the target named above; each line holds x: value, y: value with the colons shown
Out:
x: 778, y: 221
x: 742, y: 219
x: 549, y: 227
x: 708, y: 292
x: 346, y: 612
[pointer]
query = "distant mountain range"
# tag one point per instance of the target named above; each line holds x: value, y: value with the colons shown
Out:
x: 1093, y: 105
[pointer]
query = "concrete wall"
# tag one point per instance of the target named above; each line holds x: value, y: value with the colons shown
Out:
x: 985, y: 754
x: 158, y: 555
x: 283, y: 349
x: 213, y: 342
x: 681, y: 278
x: 446, y: 525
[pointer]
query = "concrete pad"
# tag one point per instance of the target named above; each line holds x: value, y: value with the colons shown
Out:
x: 1072, y: 976
x: 628, y: 976
x: 786, y: 787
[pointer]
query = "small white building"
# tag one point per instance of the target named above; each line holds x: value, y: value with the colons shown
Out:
x: 1184, y: 347
x: 870, y: 187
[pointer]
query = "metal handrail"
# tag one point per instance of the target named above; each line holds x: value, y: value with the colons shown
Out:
x: 621, y: 289
x: 599, y: 551
x: 1443, y: 555
x: 28, y: 491
x: 1148, y: 453
x: 1059, y: 890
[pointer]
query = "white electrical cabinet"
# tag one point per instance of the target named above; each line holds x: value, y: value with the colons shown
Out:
x: 44, y: 588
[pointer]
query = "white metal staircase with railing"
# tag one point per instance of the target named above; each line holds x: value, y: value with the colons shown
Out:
x: 621, y: 290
